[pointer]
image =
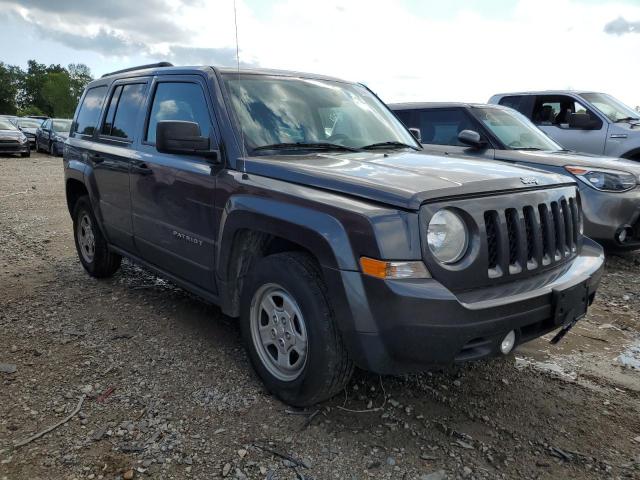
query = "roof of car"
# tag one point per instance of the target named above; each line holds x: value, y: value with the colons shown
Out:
x: 544, y: 92
x: 157, y: 70
x: 414, y: 105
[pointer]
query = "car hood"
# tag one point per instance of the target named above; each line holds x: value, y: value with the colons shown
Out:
x: 562, y: 158
x: 64, y: 135
x: 10, y: 134
x: 402, y: 179
x: 31, y: 131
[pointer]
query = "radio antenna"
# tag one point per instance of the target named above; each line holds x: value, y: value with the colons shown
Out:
x: 242, y: 145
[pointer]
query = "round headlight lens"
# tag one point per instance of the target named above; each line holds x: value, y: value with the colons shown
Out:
x: 447, y: 236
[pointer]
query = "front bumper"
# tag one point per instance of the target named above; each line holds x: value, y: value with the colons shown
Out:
x: 605, y: 214
x: 405, y: 326
x: 14, y: 147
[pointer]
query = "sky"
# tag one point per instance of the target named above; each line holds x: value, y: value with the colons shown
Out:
x: 404, y: 50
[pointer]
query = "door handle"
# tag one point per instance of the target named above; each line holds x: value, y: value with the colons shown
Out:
x: 141, y: 169
x: 95, y: 158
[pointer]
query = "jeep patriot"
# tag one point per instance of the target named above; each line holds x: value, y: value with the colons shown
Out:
x: 299, y: 203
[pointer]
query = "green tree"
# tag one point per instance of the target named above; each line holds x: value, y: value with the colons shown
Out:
x: 10, y: 81
x: 80, y: 76
x: 57, y: 94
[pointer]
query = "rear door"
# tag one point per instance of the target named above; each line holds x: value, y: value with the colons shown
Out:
x: 173, y: 195
x: 551, y: 114
x: 113, y: 151
x: 439, y: 129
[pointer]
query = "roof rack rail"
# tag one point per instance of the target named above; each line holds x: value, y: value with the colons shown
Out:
x: 139, y: 67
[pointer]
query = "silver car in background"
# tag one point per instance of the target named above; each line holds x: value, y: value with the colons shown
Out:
x: 609, y: 187
x: 588, y: 122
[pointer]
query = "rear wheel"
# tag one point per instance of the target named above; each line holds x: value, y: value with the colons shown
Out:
x: 25, y: 154
x: 91, y: 245
x: 290, y: 332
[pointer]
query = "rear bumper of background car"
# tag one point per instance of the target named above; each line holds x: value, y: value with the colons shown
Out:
x: 415, y: 325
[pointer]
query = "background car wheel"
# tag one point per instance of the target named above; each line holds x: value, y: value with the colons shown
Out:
x: 25, y: 154
x: 290, y: 332
x: 92, y: 247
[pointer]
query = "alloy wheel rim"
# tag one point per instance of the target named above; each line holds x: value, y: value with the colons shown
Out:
x: 86, y: 238
x: 278, y: 332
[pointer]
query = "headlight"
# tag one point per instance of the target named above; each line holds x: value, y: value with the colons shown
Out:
x: 56, y: 138
x: 603, y: 179
x: 22, y: 139
x: 447, y: 236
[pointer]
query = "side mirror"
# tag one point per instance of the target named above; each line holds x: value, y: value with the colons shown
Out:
x: 582, y: 121
x: 471, y: 138
x: 416, y: 134
x: 173, y: 136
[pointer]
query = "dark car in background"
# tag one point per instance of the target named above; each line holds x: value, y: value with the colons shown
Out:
x: 608, y: 186
x: 52, y: 134
x: 12, y: 140
x: 29, y: 126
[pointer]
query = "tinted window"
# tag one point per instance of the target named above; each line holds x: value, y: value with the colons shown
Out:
x: 441, y: 127
x: 513, y: 101
x: 111, y: 111
x: 90, y: 110
x: 557, y: 110
x: 61, y: 126
x: 46, y: 125
x: 178, y: 101
x: 408, y: 117
x: 127, y: 100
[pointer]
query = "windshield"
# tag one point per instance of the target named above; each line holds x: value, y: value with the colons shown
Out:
x: 6, y: 125
x: 514, y: 130
x: 614, y: 109
x: 28, y: 123
x: 274, y: 110
x: 61, y: 126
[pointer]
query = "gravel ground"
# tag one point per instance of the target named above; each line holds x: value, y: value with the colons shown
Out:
x: 166, y: 390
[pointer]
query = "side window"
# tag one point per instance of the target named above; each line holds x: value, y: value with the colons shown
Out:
x: 45, y: 125
x: 124, y: 106
x: 178, y: 101
x: 557, y: 110
x: 90, y: 111
x: 512, y: 101
x: 442, y: 126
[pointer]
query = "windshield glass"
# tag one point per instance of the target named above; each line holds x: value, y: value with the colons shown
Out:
x: 283, y: 110
x: 514, y: 130
x: 6, y: 124
x: 28, y: 123
x: 614, y: 109
x: 61, y: 126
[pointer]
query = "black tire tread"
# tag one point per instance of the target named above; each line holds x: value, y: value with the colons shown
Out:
x: 105, y: 262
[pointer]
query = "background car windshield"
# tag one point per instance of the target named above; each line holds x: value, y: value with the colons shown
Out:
x: 614, y: 109
x: 275, y: 110
x: 28, y: 123
x: 514, y: 130
x: 62, y: 126
x: 6, y: 125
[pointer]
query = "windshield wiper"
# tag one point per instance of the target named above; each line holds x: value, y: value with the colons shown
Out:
x: 305, y: 146
x: 391, y: 144
x: 626, y: 119
x: 527, y: 148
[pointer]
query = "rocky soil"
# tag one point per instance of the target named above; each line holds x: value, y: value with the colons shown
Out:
x: 163, y: 389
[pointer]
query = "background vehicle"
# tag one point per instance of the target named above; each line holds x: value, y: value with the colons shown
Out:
x: 13, y: 140
x: 52, y: 134
x: 10, y: 118
x: 608, y: 186
x: 587, y: 122
x: 299, y: 203
x: 29, y: 126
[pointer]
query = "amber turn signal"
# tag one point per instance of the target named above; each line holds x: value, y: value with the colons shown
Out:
x: 389, y: 270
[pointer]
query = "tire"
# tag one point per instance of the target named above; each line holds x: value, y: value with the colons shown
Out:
x: 50, y: 148
x: 25, y: 154
x: 91, y: 245
x: 318, y: 365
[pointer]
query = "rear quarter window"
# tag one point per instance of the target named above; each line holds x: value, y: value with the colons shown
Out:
x: 89, y: 112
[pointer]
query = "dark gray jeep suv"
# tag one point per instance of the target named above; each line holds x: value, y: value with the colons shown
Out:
x: 298, y: 203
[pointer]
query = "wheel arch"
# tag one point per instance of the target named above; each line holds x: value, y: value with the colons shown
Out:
x: 74, y: 190
x: 632, y: 154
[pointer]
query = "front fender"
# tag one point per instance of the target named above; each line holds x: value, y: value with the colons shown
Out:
x: 316, y: 231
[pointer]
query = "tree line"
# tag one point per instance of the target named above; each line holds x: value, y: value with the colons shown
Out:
x: 51, y: 90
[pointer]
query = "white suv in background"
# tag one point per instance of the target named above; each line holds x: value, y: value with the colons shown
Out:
x: 587, y: 122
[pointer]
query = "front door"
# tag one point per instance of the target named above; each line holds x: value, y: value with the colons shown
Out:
x: 173, y: 195
x: 551, y: 114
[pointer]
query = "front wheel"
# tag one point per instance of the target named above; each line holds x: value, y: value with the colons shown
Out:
x: 25, y: 154
x: 290, y: 332
x: 93, y: 251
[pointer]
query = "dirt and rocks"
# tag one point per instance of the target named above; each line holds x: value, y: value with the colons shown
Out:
x: 165, y: 390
